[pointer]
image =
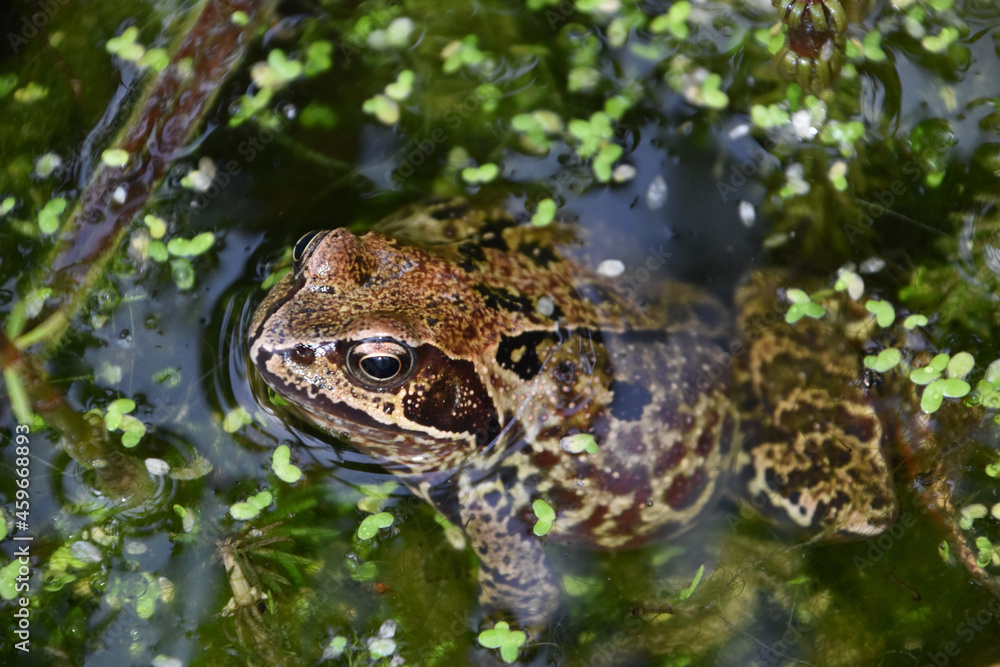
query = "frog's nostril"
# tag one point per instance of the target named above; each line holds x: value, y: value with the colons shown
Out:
x: 302, y: 354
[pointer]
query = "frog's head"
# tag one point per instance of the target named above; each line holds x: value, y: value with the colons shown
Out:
x: 377, y: 341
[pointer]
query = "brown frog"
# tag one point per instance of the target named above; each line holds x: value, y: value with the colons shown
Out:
x: 490, y: 364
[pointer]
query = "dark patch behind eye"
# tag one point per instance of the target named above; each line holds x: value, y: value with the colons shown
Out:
x: 455, y: 399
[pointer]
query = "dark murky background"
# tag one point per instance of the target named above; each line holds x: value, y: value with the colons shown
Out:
x: 147, y: 585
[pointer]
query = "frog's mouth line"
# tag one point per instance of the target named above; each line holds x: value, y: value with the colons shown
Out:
x: 393, y: 447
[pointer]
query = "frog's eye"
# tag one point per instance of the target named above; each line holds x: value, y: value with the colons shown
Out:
x: 302, y: 245
x: 379, y: 362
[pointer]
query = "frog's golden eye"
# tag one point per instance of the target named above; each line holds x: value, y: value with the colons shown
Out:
x: 299, y: 250
x: 379, y: 362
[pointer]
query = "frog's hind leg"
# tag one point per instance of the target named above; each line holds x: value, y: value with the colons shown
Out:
x: 816, y: 458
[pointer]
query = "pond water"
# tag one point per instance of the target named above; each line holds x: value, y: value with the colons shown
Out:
x: 663, y: 126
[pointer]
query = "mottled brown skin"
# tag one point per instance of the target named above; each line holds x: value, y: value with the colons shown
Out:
x: 815, y: 438
x: 502, y: 346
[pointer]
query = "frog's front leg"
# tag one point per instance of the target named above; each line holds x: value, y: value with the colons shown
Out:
x: 514, y: 575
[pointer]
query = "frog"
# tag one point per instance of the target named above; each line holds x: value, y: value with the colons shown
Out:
x: 491, y: 364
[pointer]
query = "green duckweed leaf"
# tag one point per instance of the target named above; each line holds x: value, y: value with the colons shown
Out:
x: 48, y: 217
x: 157, y: 226
x: 799, y: 310
x: 546, y: 516
x: 373, y: 523
x: 8, y: 580
x: 579, y: 443
x: 885, y: 361
x: 243, y: 511
x: 182, y: 272
x: 155, y: 59
x: 871, y: 46
x: 482, y: 174
x: 384, y: 108
x: 402, y: 87
x: 932, y: 398
x: 884, y: 313
x: 851, y: 282
x: 261, y: 500
x: 30, y: 93
x: 381, y: 647
x: 286, y: 68
x: 992, y: 374
x: 158, y: 251
x: 543, y: 510
x: 181, y: 247
x: 125, y: 47
x: 318, y: 58
x: 796, y: 295
x: 236, y: 419
x: 924, y: 375
x: 282, y: 466
x: 606, y: 159
x: 940, y: 42
x: 115, y: 157
x: 712, y: 94
x: 939, y: 362
x: 507, y: 640
x: 970, y: 513
x: 674, y: 21
x: 960, y: 365
x: 545, y: 213
x: 953, y: 387
x: 132, y: 431
x: 769, y: 116
x: 121, y: 406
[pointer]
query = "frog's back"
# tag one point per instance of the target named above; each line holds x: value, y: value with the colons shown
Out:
x: 648, y: 381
